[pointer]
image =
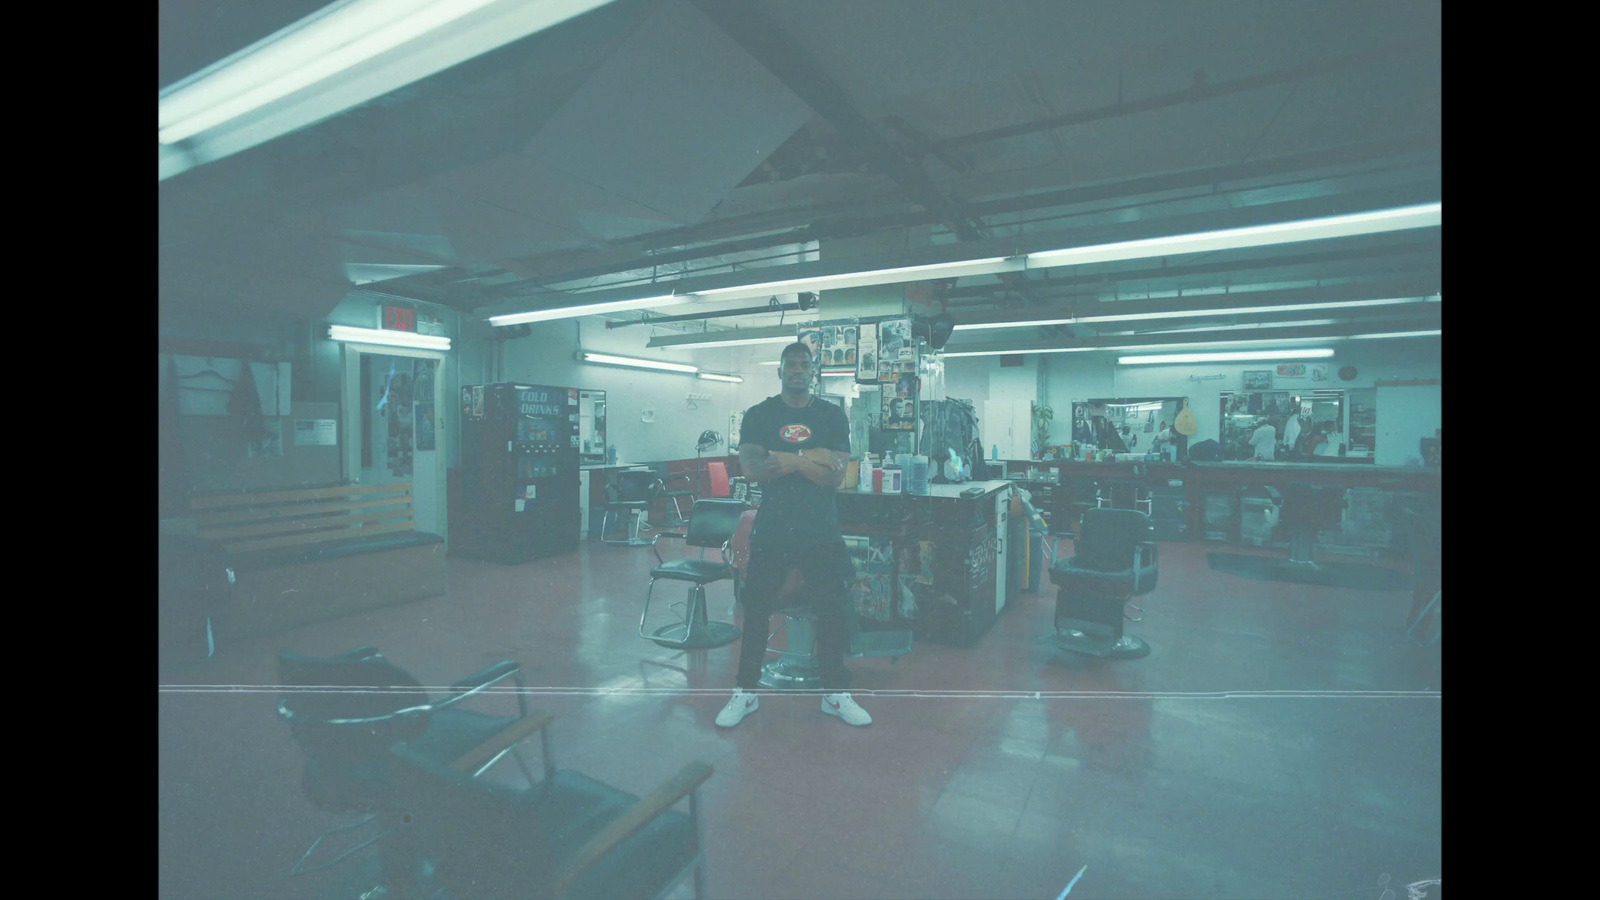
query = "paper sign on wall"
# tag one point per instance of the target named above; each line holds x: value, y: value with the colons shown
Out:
x: 867, y: 353
x: 316, y: 433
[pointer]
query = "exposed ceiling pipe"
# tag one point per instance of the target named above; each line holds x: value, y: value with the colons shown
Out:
x: 723, y: 313
x: 1200, y: 91
x: 1351, y: 154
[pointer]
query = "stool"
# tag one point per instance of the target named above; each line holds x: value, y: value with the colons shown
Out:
x: 1307, y: 509
x: 1107, y: 492
x: 795, y: 668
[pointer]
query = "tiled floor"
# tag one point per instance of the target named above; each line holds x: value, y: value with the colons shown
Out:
x: 1152, y: 777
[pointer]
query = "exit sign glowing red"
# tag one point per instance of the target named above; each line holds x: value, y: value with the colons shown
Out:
x: 397, y: 318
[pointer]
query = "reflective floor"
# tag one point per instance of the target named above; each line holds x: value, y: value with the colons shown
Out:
x: 1253, y: 753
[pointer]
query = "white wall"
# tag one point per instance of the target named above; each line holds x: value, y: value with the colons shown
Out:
x: 548, y: 357
x: 1406, y: 415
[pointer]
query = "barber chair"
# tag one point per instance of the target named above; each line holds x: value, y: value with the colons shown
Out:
x: 1306, y: 509
x: 1113, y: 561
x: 569, y: 837
x: 347, y: 711
x: 632, y: 495
x: 1123, y: 494
x: 674, y: 496
x: 711, y: 526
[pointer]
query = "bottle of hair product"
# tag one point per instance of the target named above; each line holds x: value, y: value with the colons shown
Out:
x: 892, y: 483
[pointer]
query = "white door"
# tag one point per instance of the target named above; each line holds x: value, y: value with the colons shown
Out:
x: 405, y: 442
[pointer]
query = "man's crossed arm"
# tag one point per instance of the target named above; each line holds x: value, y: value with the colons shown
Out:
x: 823, y: 467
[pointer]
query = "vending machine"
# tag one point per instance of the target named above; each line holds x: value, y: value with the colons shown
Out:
x: 519, y: 460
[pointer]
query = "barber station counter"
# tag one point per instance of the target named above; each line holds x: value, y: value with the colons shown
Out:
x: 1202, y: 499
x: 950, y: 557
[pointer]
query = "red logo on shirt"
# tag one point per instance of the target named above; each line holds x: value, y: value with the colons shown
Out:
x: 794, y: 434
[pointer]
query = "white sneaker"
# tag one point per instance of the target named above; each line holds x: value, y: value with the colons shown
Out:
x: 844, y: 707
x: 739, y: 705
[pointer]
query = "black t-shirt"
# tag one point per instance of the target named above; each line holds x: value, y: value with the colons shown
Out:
x: 795, y: 510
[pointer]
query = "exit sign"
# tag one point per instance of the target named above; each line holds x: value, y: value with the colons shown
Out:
x: 397, y: 318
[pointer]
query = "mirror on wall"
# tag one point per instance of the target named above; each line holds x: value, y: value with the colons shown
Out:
x: 592, y: 426
x: 1127, y: 424
x: 1307, y: 426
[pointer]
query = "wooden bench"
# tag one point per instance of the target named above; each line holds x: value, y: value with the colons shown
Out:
x: 303, y: 556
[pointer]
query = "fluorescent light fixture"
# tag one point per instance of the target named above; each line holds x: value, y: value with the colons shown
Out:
x: 1011, y: 352
x: 607, y: 359
x: 849, y: 374
x: 1403, y: 218
x: 734, y: 342
x: 367, y: 273
x: 713, y: 376
x: 593, y: 309
x: 1397, y: 334
x: 337, y: 58
x: 1193, y: 313
x: 1239, y: 356
x: 899, y: 275
x: 378, y: 336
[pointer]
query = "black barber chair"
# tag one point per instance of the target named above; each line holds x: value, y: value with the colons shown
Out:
x: 1113, y: 561
x: 1306, y: 509
x: 347, y: 711
x: 711, y: 525
x: 1123, y: 494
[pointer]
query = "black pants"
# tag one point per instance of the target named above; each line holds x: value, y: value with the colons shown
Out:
x: 827, y: 571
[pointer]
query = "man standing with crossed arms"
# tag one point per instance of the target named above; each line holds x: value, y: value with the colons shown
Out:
x: 796, y: 445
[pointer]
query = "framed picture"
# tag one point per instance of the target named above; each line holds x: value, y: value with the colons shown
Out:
x: 1258, y: 380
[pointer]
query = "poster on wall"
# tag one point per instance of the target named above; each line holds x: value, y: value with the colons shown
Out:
x: 867, y: 353
x: 895, y: 340
x: 269, y: 439
x: 1258, y: 380
x: 899, y: 404
x: 811, y: 336
x: 422, y: 390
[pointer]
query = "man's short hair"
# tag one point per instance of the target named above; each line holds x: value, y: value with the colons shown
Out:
x: 799, y: 346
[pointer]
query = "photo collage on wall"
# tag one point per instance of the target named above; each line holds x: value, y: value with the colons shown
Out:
x: 398, y: 399
x: 838, y: 346
x: 423, y: 407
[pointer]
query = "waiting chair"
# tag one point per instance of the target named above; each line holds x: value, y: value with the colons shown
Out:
x: 1113, y: 561
x: 570, y: 837
x: 346, y: 712
x: 633, y: 494
x: 711, y: 526
x: 717, y: 475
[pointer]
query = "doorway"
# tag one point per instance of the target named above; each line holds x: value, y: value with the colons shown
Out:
x: 393, y: 401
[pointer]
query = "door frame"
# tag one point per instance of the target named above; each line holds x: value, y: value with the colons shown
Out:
x: 350, y: 412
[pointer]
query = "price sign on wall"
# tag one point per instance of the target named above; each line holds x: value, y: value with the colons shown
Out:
x: 397, y: 318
